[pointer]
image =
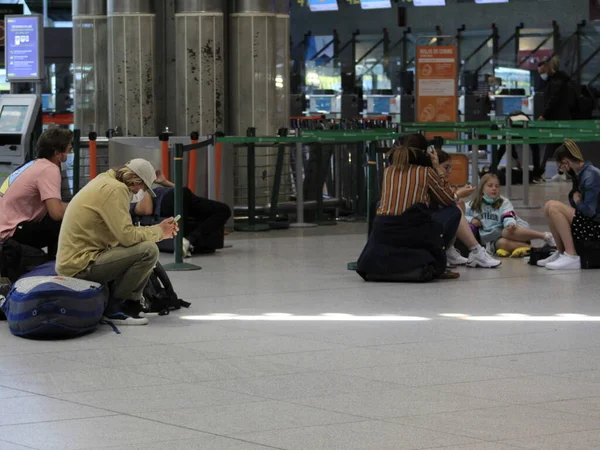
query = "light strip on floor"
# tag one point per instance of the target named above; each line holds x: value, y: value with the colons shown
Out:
x: 329, y: 317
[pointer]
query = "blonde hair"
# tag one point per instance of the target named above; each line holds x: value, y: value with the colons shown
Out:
x: 127, y: 176
x: 477, y: 203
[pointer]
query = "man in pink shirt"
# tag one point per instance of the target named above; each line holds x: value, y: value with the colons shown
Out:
x: 30, y: 198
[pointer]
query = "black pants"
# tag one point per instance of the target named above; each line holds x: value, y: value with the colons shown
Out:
x: 449, y: 218
x: 548, y: 153
x: 203, y: 219
x: 535, y: 153
x: 39, y: 235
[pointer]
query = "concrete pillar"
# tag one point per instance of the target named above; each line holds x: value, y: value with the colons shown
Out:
x: 90, y: 66
x: 252, y: 78
x: 200, y: 79
x: 131, y: 65
x: 282, y: 61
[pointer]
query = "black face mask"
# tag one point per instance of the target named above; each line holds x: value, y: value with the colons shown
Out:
x: 420, y: 158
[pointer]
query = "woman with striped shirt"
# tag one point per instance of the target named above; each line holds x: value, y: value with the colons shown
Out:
x: 415, y: 177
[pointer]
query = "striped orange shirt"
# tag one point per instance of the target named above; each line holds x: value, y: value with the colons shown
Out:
x: 403, y: 188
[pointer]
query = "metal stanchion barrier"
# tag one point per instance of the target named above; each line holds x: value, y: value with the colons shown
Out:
x: 252, y: 225
x: 93, y: 155
x: 526, y: 149
x: 474, y: 159
x: 300, y: 191
x: 76, y: 160
x: 193, y: 164
x: 277, y: 182
x: 164, y: 154
x: 179, y: 265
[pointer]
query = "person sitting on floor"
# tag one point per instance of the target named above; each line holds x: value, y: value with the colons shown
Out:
x: 203, y: 219
x: 30, y: 198
x: 477, y: 256
x: 407, y: 234
x: 580, y: 220
x: 98, y: 241
x: 500, y: 229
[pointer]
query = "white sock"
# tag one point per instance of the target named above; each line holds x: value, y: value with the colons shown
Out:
x: 571, y: 256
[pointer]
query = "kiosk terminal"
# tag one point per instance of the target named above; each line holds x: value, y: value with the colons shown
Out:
x: 19, y: 119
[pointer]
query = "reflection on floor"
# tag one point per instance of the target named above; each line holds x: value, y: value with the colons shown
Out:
x: 283, y: 348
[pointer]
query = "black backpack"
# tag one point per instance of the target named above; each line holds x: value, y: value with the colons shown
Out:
x: 17, y: 259
x: 159, y: 296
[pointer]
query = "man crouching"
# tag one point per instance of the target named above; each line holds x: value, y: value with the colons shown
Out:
x: 98, y: 241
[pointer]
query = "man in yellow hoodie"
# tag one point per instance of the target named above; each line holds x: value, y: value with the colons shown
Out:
x: 98, y: 241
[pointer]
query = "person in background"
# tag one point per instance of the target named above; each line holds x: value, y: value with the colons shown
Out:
x: 98, y: 241
x: 558, y: 100
x: 499, y: 227
x: 31, y: 208
x: 477, y: 257
x: 580, y: 220
x: 203, y: 219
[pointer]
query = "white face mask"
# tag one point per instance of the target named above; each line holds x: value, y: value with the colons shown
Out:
x: 136, y: 198
x: 544, y: 76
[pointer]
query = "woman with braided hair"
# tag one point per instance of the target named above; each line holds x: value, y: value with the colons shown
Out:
x: 580, y: 220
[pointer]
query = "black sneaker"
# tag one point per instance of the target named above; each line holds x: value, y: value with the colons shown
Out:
x: 125, y: 313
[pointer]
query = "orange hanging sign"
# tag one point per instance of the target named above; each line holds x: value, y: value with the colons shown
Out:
x: 437, y: 87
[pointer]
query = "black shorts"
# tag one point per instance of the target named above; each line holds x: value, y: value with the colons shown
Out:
x: 585, y: 229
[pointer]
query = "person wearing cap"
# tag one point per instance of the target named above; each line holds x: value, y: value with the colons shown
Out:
x: 580, y: 220
x: 98, y: 241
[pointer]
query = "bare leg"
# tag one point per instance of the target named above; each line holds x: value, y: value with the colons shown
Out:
x: 522, y: 234
x: 465, y: 235
x: 510, y: 245
x: 560, y: 218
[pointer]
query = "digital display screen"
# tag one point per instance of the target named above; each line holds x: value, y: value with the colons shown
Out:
x: 22, y: 47
x: 375, y: 4
x: 381, y: 105
x: 323, y: 5
x: 322, y: 104
x: 12, y: 118
x: 430, y: 2
x: 508, y: 105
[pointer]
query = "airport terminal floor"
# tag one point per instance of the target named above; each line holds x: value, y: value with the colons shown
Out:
x: 283, y: 348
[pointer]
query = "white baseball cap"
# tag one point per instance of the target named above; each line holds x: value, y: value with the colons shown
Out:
x: 145, y: 171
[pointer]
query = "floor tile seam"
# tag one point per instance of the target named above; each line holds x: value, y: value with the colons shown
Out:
x: 499, y: 355
x: 418, y: 427
x: 506, y: 403
x: 505, y: 441
x: 262, y: 354
x: 187, y: 439
x: 113, y: 414
x: 17, y: 444
x: 425, y: 386
x: 487, y: 440
x: 54, y: 352
x: 86, y: 391
x: 538, y: 406
x: 562, y: 375
x: 135, y: 416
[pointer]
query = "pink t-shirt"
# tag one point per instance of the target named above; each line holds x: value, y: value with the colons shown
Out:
x: 23, y: 193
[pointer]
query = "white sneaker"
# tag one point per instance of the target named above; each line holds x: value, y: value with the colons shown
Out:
x: 565, y: 262
x: 553, y: 257
x: 549, y: 239
x: 480, y: 258
x: 454, y: 258
x: 187, y: 253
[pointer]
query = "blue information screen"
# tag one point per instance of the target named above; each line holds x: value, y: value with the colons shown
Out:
x: 323, y: 5
x: 22, y: 48
x: 375, y: 4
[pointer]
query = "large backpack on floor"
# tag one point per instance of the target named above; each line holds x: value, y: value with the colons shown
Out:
x: 42, y: 305
x: 159, y: 295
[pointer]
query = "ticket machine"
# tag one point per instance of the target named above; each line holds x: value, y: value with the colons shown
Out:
x: 20, y: 125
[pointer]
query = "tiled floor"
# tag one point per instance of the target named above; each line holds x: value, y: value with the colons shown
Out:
x: 283, y: 348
